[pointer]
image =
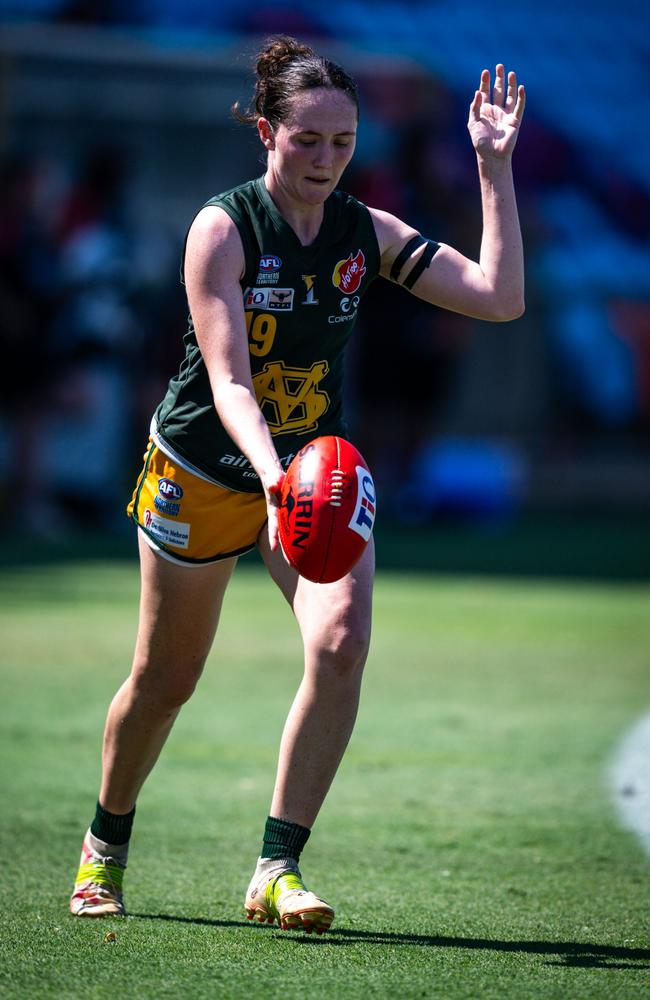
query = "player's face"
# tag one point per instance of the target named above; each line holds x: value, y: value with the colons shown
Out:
x: 309, y: 151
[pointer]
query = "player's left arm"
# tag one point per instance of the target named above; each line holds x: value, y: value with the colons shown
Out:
x: 491, y: 288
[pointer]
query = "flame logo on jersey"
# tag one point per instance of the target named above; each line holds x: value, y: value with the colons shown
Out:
x: 290, y: 398
x: 349, y: 272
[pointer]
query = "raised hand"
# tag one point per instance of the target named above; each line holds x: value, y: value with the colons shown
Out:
x: 494, y: 126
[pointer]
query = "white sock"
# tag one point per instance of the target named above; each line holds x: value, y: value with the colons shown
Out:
x: 118, y: 851
x: 268, y: 868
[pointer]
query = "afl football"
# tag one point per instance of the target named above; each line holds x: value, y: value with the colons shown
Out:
x: 327, y: 509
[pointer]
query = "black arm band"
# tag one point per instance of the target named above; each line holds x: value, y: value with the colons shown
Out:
x: 404, y: 254
x: 424, y: 261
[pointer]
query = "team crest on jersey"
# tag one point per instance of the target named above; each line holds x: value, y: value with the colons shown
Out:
x: 290, y: 398
x: 349, y: 272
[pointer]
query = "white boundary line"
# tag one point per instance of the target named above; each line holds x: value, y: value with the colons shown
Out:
x: 631, y: 780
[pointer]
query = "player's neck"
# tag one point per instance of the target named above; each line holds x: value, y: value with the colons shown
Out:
x: 304, y: 219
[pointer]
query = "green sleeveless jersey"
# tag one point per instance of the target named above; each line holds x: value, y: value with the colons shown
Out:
x: 300, y: 305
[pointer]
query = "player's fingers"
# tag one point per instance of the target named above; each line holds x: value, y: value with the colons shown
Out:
x: 511, y: 96
x: 499, y: 86
x: 273, y: 527
x: 485, y: 84
x: 521, y: 104
x: 475, y: 107
x: 274, y: 490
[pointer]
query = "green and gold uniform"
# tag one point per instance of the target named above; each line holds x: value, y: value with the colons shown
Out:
x: 300, y: 305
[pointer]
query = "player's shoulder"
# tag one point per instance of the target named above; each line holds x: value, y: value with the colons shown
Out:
x: 229, y: 208
x: 212, y: 227
x: 347, y: 206
x: 214, y: 239
x: 390, y: 230
x: 220, y: 226
x: 243, y: 193
x: 350, y: 221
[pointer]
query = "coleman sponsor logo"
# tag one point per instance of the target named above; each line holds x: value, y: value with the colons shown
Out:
x: 348, y: 308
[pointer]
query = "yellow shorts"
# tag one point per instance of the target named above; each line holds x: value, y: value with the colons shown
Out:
x: 190, y: 519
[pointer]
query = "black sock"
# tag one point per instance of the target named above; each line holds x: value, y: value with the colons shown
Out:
x: 283, y: 839
x: 110, y: 827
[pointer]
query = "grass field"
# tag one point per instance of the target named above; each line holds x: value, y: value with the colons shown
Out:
x: 469, y: 844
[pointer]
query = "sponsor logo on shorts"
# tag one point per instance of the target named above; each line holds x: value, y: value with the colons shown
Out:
x: 166, y: 507
x: 348, y: 273
x: 170, y: 490
x: 272, y: 299
x: 173, y: 533
x: 363, y: 518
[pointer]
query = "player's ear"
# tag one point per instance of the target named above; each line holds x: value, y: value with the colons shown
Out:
x: 265, y: 133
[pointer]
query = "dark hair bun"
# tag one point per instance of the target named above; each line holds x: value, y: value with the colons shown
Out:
x: 285, y: 67
x: 278, y: 53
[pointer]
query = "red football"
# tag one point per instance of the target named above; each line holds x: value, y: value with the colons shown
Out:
x: 328, y: 509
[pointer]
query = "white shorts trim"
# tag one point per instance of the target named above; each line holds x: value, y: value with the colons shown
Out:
x: 186, y: 564
x: 184, y: 464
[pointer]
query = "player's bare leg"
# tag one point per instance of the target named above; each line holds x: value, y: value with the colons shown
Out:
x: 334, y: 621
x: 179, y: 612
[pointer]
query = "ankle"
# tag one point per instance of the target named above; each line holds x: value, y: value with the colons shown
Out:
x: 110, y: 828
x: 283, y: 839
x: 119, y: 852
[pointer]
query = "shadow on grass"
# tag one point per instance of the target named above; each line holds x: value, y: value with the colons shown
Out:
x: 573, y: 954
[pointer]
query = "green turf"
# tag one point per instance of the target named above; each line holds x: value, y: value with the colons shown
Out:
x: 469, y: 844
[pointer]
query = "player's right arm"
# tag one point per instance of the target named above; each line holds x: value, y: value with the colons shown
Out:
x: 214, y: 267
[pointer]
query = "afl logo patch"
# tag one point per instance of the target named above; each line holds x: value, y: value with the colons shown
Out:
x: 169, y: 489
x: 270, y: 263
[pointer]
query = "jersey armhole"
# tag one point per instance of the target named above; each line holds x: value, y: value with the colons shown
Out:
x: 377, y: 267
x: 246, y: 234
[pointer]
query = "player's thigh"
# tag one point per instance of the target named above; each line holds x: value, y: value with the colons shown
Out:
x: 179, y: 611
x: 335, y: 616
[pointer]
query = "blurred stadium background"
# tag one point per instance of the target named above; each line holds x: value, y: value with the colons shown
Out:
x: 115, y: 127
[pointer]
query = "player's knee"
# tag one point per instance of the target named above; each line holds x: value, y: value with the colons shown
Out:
x: 343, y: 651
x: 167, y: 689
x: 177, y: 692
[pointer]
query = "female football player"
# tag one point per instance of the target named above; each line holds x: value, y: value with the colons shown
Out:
x: 275, y: 270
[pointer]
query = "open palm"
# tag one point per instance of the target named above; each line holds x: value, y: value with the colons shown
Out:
x: 494, y: 126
